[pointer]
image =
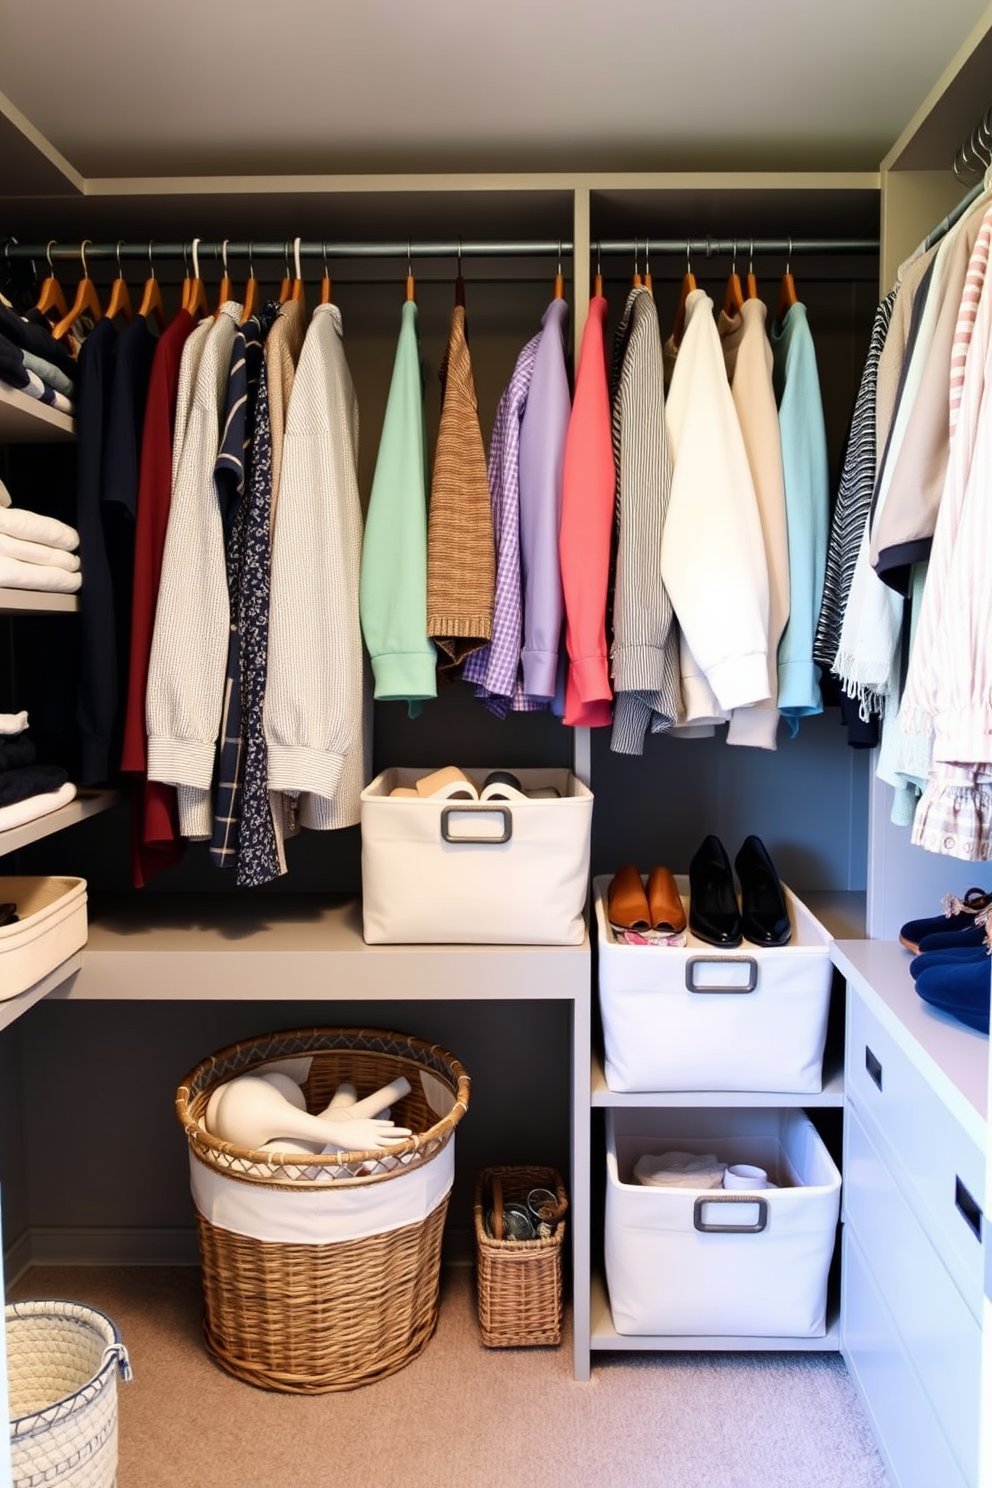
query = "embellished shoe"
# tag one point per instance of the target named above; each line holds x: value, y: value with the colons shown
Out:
x: 764, y: 912
x: 959, y: 914
x: 714, y: 915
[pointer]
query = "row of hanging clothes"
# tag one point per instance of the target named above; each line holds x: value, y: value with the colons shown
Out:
x: 643, y: 550
x: 906, y: 619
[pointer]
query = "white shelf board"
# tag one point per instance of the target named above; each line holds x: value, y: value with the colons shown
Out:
x: 36, y: 601
x: 832, y: 1094
x: 953, y: 1059
x: 12, y: 1008
x: 87, y: 803
x: 604, y: 1336
x: 24, y: 420
x: 228, y: 947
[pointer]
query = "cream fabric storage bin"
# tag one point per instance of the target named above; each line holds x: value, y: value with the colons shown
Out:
x: 708, y: 1262
x: 465, y: 872
x: 698, y: 1018
x: 51, y: 926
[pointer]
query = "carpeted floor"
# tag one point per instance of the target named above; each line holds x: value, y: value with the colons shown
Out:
x: 465, y: 1415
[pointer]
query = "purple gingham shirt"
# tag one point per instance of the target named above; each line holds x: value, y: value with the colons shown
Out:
x: 495, y: 668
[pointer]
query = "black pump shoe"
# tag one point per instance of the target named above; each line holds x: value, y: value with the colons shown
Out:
x: 765, y: 914
x: 713, y: 912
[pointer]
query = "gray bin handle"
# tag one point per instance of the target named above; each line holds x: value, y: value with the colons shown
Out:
x: 694, y: 961
x: 750, y: 1196
x: 486, y: 841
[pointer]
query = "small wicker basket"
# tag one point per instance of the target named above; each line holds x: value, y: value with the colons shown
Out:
x: 519, y: 1282
x: 311, y: 1318
x: 63, y: 1360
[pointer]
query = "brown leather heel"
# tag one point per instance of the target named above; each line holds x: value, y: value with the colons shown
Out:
x: 626, y: 901
x: 664, y: 902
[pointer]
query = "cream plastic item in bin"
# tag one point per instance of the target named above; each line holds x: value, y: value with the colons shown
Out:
x: 500, y: 872
x: 51, y: 926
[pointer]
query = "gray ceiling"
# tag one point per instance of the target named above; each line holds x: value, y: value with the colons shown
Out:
x: 194, y: 88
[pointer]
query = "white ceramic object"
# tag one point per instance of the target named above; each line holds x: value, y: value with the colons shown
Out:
x: 370, y: 1105
x: 251, y: 1112
x: 345, y: 1095
x: 286, y: 1087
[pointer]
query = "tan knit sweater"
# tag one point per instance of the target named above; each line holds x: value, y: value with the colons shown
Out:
x: 461, y: 550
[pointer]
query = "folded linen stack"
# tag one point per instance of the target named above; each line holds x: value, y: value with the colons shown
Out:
x: 37, y: 552
x: 27, y: 789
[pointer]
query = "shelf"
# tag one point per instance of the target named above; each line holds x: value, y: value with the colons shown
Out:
x: 242, y: 948
x: 36, y: 601
x: 24, y: 420
x: 13, y: 1008
x: 832, y: 1094
x: 605, y: 1336
x: 951, y: 1057
x: 87, y: 803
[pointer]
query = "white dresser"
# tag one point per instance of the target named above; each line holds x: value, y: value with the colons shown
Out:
x: 914, y: 1182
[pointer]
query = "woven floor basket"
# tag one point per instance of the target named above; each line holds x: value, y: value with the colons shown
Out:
x: 518, y: 1282
x: 63, y: 1359
x: 312, y: 1318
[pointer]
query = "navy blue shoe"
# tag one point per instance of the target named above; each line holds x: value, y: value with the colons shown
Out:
x: 962, y: 988
x: 948, y: 957
x: 958, y: 914
x: 954, y: 940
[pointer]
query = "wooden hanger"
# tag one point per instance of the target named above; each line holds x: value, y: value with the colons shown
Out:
x: 196, y: 294
x: 752, y: 278
x: 151, y: 298
x: 251, y: 292
x: 688, y: 285
x: 120, y: 296
x: 559, y: 277
x: 787, y: 296
x: 733, y: 299
x: 287, y: 283
x: 325, y: 283
x: 597, y: 283
x: 224, y: 291
x: 87, y: 300
x: 297, y: 291
x: 50, y: 296
x: 411, y: 288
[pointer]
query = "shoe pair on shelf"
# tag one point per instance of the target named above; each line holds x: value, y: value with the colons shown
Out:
x: 639, y: 909
x: 960, y: 916
x: 761, y: 917
x: 957, y: 979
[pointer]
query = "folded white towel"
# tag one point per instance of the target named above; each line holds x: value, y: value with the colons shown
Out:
x: 17, y: 575
x: 13, y: 723
x: 33, y: 527
x: 679, y: 1170
x: 36, y: 552
x: 34, y: 806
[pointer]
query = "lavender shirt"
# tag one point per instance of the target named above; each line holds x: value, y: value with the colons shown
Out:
x: 542, y: 458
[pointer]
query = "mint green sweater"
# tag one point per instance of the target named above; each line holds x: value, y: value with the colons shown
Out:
x: 393, y: 586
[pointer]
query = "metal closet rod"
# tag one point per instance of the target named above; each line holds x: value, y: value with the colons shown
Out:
x: 209, y: 252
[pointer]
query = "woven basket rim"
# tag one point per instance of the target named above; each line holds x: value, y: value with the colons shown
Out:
x: 67, y: 1309
x: 236, y: 1058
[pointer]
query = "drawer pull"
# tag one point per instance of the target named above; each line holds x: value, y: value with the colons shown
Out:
x: 873, y: 1066
x: 969, y: 1209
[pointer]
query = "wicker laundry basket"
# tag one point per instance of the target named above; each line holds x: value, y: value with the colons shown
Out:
x: 322, y: 1273
x: 518, y: 1282
x: 63, y: 1359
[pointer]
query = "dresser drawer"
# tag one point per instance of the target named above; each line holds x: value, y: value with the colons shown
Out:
x: 914, y: 1447
x: 938, y: 1167
x: 940, y: 1337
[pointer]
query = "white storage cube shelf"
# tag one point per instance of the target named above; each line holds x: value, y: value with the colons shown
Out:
x: 695, y: 1017
x: 51, y: 926
x: 708, y: 1262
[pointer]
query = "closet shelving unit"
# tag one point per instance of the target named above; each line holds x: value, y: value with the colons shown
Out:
x: 144, y: 951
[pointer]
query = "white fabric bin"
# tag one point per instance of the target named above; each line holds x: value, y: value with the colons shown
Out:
x: 51, y: 926
x: 708, y: 1262
x: 695, y: 1017
x: 465, y: 872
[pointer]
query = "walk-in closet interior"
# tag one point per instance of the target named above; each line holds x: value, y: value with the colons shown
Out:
x: 94, y: 1170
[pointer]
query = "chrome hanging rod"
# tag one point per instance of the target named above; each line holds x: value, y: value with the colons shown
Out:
x: 544, y: 248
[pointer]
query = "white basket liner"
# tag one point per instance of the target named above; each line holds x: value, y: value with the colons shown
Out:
x: 296, y: 1214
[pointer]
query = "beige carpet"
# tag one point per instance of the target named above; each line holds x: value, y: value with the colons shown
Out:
x: 465, y: 1415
